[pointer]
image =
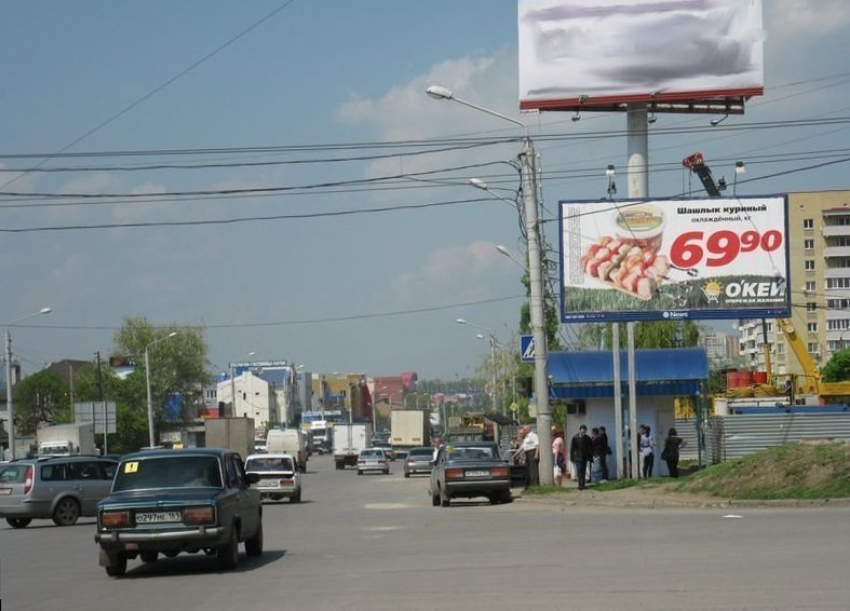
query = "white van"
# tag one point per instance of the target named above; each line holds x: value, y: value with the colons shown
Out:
x: 289, y: 441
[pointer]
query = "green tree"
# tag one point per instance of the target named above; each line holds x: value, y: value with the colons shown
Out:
x: 42, y: 398
x: 838, y: 367
x: 661, y: 334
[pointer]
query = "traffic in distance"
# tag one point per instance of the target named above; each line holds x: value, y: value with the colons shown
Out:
x: 160, y: 502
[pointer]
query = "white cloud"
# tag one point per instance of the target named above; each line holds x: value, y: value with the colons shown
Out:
x: 797, y: 19
x: 452, y: 270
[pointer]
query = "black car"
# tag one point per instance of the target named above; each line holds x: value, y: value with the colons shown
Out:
x: 469, y: 469
x: 172, y: 501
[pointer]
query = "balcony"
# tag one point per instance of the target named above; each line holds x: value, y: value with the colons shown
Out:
x: 836, y: 251
x: 836, y: 231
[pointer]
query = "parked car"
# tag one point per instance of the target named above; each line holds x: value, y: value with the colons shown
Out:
x: 418, y: 461
x: 387, y: 447
x: 470, y: 469
x: 59, y: 488
x: 172, y: 501
x: 279, y: 479
x: 373, y: 459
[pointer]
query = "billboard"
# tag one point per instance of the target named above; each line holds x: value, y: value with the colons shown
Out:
x: 674, y: 259
x: 600, y: 53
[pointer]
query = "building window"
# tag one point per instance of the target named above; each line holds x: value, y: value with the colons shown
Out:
x: 810, y: 286
x: 808, y: 223
x: 812, y: 327
x: 780, y: 348
x: 809, y: 244
x: 838, y: 283
x: 813, y: 348
x: 838, y: 304
x: 810, y: 265
x: 843, y: 221
x: 811, y: 306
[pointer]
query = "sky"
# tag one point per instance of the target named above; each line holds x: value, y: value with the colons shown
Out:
x: 361, y: 241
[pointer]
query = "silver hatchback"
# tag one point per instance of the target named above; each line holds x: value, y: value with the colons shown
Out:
x: 62, y: 489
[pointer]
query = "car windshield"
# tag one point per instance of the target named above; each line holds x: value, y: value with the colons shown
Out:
x: 280, y: 463
x: 372, y: 454
x: 13, y: 474
x: 168, y: 472
x: 472, y: 453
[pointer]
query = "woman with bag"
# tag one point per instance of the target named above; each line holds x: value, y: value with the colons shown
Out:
x: 670, y: 454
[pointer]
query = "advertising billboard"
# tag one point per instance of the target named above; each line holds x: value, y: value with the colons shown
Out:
x: 600, y: 53
x: 674, y: 259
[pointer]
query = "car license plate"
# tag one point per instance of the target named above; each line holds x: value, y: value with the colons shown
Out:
x: 151, y: 517
x: 5, y: 491
x: 477, y: 473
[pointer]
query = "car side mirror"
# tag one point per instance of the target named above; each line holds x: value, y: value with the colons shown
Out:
x: 252, y: 478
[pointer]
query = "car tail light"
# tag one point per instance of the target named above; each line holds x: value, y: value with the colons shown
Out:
x: 499, y: 471
x: 286, y: 482
x: 28, y: 479
x: 115, y: 519
x: 199, y: 515
x: 410, y: 461
x: 454, y: 473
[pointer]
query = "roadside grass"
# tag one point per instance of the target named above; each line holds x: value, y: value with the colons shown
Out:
x: 802, y: 471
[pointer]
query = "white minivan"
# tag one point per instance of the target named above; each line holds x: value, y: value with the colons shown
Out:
x: 289, y: 441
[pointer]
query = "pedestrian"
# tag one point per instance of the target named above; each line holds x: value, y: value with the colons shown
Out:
x: 604, y: 435
x: 559, y: 459
x: 530, y: 448
x: 670, y: 453
x: 600, y: 453
x: 581, y: 452
x: 646, y: 443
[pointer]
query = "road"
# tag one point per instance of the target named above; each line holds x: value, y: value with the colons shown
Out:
x: 375, y: 542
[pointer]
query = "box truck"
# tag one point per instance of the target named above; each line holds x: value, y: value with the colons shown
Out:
x: 349, y: 439
x: 289, y: 441
x: 409, y: 428
x: 235, y: 434
x: 66, y: 440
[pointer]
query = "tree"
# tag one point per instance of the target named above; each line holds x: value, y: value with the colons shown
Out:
x: 661, y: 334
x: 838, y: 367
x: 177, y: 365
x: 42, y: 398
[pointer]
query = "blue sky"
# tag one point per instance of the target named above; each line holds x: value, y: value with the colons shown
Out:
x: 319, y: 73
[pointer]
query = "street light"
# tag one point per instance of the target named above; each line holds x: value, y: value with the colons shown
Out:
x: 9, y: 402
x: 148, y: 384
x: 538, y: 321
x: 492, y: 338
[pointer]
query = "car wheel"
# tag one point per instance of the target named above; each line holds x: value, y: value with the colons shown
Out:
x: 445, y: 499
x: 406, y: 474
x: 67, y: 512
x: 386, y: 472
x: 254, y: 545
x: 228, y: 554
x: 298, y: 496
x: 149, y: 556
x: 494, y: 499
x: 435, y: 500
x: 506, y: 497
x: 18, y: 522
x: 359, y: 472
x: 115, y: 564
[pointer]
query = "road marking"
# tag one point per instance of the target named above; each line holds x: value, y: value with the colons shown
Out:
x: 387, y: 506
x: 382, y: 528
x: 732, y: 515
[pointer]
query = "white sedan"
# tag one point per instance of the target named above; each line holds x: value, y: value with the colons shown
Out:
x: 279, y: 478
x: 373, y: 459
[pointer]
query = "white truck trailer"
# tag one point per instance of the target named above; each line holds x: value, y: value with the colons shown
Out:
x: 349, y: 439
x: 410, y: 428
x: 66, y: 440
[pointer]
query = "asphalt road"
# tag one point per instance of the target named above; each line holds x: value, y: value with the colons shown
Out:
x: 375, y: 542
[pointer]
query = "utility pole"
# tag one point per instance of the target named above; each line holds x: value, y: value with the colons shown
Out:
x: 538, y: 317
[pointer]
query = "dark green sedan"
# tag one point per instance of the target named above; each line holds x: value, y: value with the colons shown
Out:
x: 172, y: 501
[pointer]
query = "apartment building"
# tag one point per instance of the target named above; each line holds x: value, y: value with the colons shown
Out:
x: 819, y: 284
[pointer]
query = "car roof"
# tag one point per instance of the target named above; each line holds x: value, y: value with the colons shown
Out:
x: 163, y: 453
x: 271, y: 455
x: 51, y: 459
x: 474, y: 444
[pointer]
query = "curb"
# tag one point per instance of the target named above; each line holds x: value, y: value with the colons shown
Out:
x: 684, y: 503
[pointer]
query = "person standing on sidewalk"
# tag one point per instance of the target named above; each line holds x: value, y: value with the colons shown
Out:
x: 646, y: 443
x: 670, y: 454
x: 581, y: 452
x: 559, y: 458
x: 530, y: 447
x: 607, y: 452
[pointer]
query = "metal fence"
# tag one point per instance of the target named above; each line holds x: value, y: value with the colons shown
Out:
x: 733, y: 436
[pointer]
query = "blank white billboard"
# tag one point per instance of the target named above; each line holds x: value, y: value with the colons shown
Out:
x: 601, y: 52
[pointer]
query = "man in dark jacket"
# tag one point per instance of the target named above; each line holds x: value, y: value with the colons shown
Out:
x: 581, y: 452
x: 607, y: 451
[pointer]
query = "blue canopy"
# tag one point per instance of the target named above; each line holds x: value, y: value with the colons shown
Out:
x: 582, y: 375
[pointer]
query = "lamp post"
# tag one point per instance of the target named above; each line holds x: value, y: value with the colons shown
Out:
x: 148, y: 384
x: 492, y: 339
x: 10, y: 405
x: 538, y: 325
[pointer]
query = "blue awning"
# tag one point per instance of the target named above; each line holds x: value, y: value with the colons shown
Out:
x: 582, y: 375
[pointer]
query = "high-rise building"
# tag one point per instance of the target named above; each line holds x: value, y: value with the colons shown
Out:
x: 819, y: 285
